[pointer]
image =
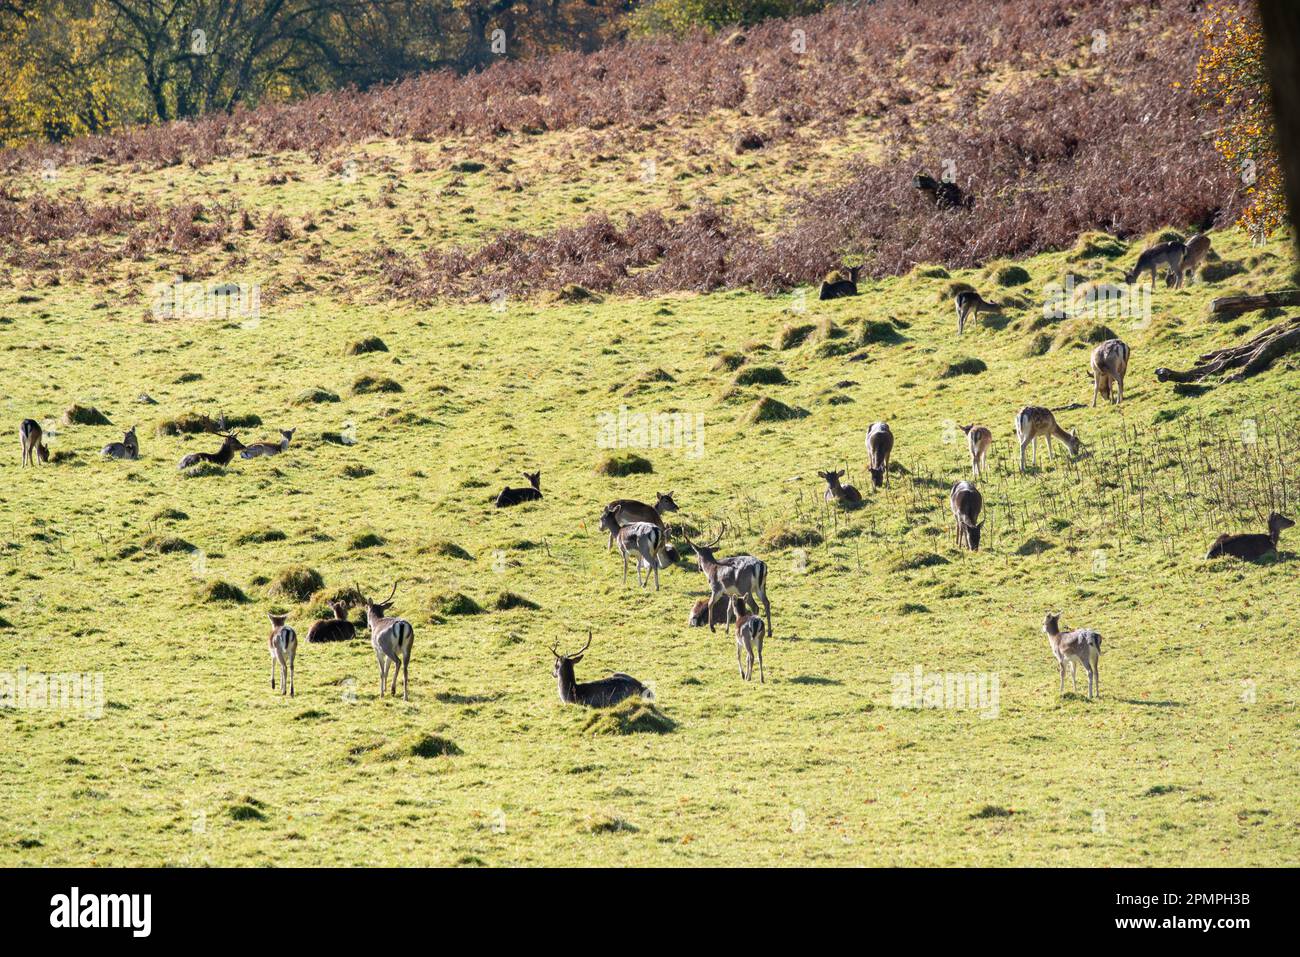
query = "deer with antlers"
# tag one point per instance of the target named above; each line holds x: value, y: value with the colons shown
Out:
x: 30, y: 435
x: 979, y: 438
x: 594, y: 694
x: 391, y: 638
x: 283, y: 644
x: 230, y: 444
x: 1034, y: 422
x: 740, y: 576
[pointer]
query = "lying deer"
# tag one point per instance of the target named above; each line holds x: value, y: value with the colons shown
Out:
x: 337, y: 628
x: 944, y: 195
x: 880, y: 445
x: 625, y: 511
x: 966, y: 503
x: 283, y: 644
x: 1034, y: 422
x: 703, y: 614
x: 1079, y: 647
x: 392, y: 639
x: 646, y: 541
x: 513, y: 496
x: 970, y: 303
x: 1169, y: 254
x: 593, y: 694
x: 979, y: 439
x: 30, y: 435
x: 1251, y: 546
x: 835, y: 492
x: 749, y: 636
x: 838, y: 288
x: 229, y: 446
x: 128, y: 448
x: 1109, y: 365
x: 269, y: 448
x: 1198, y: 247
x: 740, y: 576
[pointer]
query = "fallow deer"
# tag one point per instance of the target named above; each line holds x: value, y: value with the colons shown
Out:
x: 880, y: 445
x: 749, y: 636
x: 1034, y: 422
x: 703, y: 614
x: 128, y: 448
x: 1169, y: 254
x: 1251, y: 546
x: 838, y: 288
x: 966, y: 503
x: 392, y: 639
x: 740, y: 576
x: 1109, y: 366
x: 625, y: 511
x: 594, y: 694
x: 979, y: 438
x: 29, y: 436
x: 646, y: 541
x: 513, y: 496
x: 1198, y: 247
x: 337, y: 628
x: 942, y: 194
x: 836, y: 492
x: 269, y: 448
x: 283, y: 644
x: 970, y: 303
x: 230, y: 444
x: 1079, y: 647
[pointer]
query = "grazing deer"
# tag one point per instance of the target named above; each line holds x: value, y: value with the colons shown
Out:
x: 1034, y: 422
x: 740, y: 576
x: 942, y: 194
x: 1109, y: 365
x: 128, y: 448
x: 835, y: 492
x: 749, y: 636
x: 284, y: 646
x: 838, y: 288
x: 625, y: 511
x: 1169, y: 254
x: 1251, y: 546
x: 337, y: 628
x: 593, y: 694
x: 970, y: 303
x: 269, y: 448
x: 391, y: 638
x: 1198, y: 247
x: 513, y: 496
x: 34, y: 450
x: 880, y: 445
x: 1079, y: 647
x: 703, y: 614
x: 646, y: 541
x: 979, y: 439
x: 229, y: 446
x: 966, y: 503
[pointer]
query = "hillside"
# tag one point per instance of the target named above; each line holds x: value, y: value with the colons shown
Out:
x: 160, y: 580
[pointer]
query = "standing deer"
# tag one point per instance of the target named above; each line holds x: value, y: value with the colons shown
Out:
x: 970, y: 303
x: 740, y: 576
x: 283, y: 644
x: 1169, y: 254
x: 1079, y: 647
x: 979, y: 439
x: 880, y: 445
x: 749, y: 636
x: 646, y: 541
x: 1109, y: 365
x: 1034, y: 422
x: 128, y: 448
x: 229, y: 446
x: 337, y: 628
x: 838, y: 288
x: 593, y: 694
x: 1198, y: 247
x: 1251, y: 546
x: 269, y: 448
x: 513, y: 496
x: 835, y: 492
x: 29, y: 436
x: 625, y: 511
x: 966, y: 503
x: 392, y: 639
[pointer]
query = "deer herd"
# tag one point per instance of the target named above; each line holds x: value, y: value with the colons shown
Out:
x: 737, y: 584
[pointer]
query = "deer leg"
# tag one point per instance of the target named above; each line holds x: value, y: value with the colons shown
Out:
x: 273, y: 672
x: 767, y: 609
x: 625, y: 569
x: 397, y: 666
x: 726, y: 629
x: 654, y: 562
x: 291, y: 677
x: 1061, y: 664
x: 406, y: 675
x: 713, y: 600
x: 1074, y: 674
x: 761, y: 679
x: 739, y: 666
x: 749, y: 661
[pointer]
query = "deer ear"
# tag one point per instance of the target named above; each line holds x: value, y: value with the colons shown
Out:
x: 576, y: 658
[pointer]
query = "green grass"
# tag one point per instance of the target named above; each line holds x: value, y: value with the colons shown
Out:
x: 195, y: 761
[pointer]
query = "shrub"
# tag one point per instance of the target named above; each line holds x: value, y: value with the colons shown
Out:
x: 787, y: 535
x: 793, y: 335
x: 449, y: 604
x: 259, y: 536
x: 630, y: 716
x: 1012, y: 275
x: 366, y: 384
x: 768, y: 409
x: 364, y: 540
x: 219, y: 591
x: 315, y: 396
x: 447, y: 550
x: 362, y: 346
x: 760, y: 375
x: 506, y: 601
x: 875, y: 331
x: 297, y: 583
x: 968, y: 365
x: 77, y: 414
x: 628, y: 463
x: 167, y: 544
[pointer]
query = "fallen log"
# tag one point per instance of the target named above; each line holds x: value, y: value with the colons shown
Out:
x: 1250, y: 358
x: 1228, y: 306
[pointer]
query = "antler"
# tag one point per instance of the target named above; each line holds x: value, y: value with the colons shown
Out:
x: 360, y: 594
x: 583, y: 648
x: 721, y: 529
x: 391, y: 594
x: 555, y: 647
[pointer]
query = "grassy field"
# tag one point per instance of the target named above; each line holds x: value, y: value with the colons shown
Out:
x: 108, y: 567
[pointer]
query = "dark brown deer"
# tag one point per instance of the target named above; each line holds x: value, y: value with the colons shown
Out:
x: 593, y: 694
x: 229, y: 446
x: 835, y: 492
x: 30, y: 435
x: 702, y: 614
x: 838, y: 288
x: 1251, y: 546
x: 966, y: 503
x: 513, y: 496
x: 749, y: 636
x: 625, y: 511
x: 880, y: 445
x: 943, y: 195
x: 337, y: 628
x: 740, y: 576
x: 1169, y: 254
